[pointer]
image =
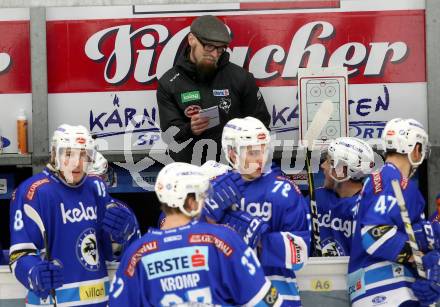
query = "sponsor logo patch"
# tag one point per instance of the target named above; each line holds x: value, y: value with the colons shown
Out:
x: 192, y: 110
x: 137, y: 255
x: 211, y: 239
x: 34, y: 186
x: 404, y: 183
x: 91, y: 292
x: 377, y: 183
x: 379, y: 300
x: 80, y: 140
x: 220, y: 93
x: 190, y: 96
x: 176, y: 261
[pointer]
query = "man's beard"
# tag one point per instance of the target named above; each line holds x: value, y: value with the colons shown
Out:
x: 206, y: 69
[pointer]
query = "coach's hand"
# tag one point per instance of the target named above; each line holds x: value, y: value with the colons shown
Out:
x: 199, y: 124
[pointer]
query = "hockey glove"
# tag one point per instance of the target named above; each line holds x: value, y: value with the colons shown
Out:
x: 427, y: 235
x: 426, y: 291
x: 431, y: 263
x: 248, y: 227
x: 44, y: 277
x: 226, y: 191
x: 119, y: 222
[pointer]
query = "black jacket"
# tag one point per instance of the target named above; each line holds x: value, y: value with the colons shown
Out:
x: 180, y: 91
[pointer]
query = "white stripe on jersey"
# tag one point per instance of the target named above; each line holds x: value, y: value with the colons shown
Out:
x: 77, y: 303
x: 83, y: 283
x: 260, y: 295
x: 21, y: 246
x: 381, y: 240
x: 389, y: 282
x: 393, y: 298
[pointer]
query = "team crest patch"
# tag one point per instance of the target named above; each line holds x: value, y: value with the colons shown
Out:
x: 225, y: 104
x: 331, y: 247
x: 87, y: 250
x: 220, y: 93
x: 192, y: 110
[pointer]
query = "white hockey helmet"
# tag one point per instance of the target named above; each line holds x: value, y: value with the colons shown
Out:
x: 353, y: 153
x: 74, y: 137
x: 214, y: 169
x: 402, y: 135
x: 176, y: 180
x: 242, y: 132
x: 99, y: 166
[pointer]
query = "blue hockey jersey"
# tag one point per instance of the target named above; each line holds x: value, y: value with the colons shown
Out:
x: 336, y: 221
x: 198, y: 262
x: 435, y: 217
x: 71, y: 216
x: 373, y: 267
x: 279, y: 202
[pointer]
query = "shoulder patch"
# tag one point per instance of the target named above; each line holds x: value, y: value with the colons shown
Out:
x: 377, y: 182
x: 404, y: 183
x: 31, y: 192
x: 289, y: 180
x: 224, y: 247
x: 145, y: 248
x: 13, y: 194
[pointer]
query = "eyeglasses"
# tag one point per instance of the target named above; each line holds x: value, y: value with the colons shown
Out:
x: 211, y: 48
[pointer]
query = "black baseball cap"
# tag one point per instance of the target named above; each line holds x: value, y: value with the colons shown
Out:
x: 210, y: 29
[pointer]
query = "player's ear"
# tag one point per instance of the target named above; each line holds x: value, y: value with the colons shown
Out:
x: 190, y: 202
x: 416, y: 154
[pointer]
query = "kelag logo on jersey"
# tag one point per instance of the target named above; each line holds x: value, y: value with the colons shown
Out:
x: 263, y: 211
x: 176, y: 261
x: 336, y: 223
x: 87, y: 250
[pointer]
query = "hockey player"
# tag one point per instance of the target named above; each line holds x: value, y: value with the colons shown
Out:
x: 348, y: 161
x: 79, y: 224
x: 189, y: 261
x: 381, y: 266
x: 210, y: 168
x: 269, y: 210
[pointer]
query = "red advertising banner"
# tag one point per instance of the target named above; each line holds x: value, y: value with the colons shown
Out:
x: 15, y: 66
x: 104, y: 62
x: 129, y: 54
